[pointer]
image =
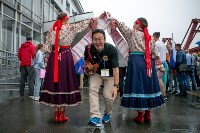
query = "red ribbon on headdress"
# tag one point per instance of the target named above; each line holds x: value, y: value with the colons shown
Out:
x: 57, y: 26
x: 147, y: 45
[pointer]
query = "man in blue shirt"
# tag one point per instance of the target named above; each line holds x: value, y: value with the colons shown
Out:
x: 181, y: 68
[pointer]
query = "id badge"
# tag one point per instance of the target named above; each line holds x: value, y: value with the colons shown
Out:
x: 105, y: 72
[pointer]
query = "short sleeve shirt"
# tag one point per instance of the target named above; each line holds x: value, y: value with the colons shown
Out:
x: 109, y: 51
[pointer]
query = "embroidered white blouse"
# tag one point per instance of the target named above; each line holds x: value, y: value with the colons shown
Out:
x: 66, y: 35
x: 136, y: 40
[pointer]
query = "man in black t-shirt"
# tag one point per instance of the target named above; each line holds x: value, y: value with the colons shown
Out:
x: 103, y: 68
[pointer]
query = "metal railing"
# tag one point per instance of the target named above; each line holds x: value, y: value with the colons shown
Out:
x: 9, y: 68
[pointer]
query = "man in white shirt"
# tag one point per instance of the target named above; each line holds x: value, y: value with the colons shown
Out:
x: 162, y: 49
x: 191, y: 70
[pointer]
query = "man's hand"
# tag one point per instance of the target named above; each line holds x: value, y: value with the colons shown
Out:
x: 79, y: 69
x: 114, y: 92
x: 103, y: 15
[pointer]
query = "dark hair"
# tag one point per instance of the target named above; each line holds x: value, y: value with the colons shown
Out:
x: 39, y: 46
x: 28, y: 38
x: 156, y: 34
x: 99, y: 31
x: 178, y: 45
x: 61, y: 15
x: 143, y: 21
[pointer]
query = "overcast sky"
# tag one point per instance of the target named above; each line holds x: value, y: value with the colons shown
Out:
x: 166, y: 16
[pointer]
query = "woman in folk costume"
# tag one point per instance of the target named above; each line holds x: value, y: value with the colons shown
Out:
x: 141, y: 90
x: 60, y: 86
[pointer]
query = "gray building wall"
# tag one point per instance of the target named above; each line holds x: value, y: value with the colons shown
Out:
x: 21, y: 18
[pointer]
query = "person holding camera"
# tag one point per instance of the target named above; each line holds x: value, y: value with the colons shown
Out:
x: 101, y: 64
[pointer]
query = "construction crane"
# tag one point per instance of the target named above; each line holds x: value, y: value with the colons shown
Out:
x: 192, y: 30
x: 167, y: 40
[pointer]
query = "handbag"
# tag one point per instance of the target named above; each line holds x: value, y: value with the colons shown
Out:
x: 42, y: 73
x: 190, y: 68
x: 183, y: 67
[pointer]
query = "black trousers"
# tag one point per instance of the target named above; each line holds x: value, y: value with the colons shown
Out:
x: 197, y: 78
x: 122, y: 74
x: 30, y: 73
x: 86, y: 81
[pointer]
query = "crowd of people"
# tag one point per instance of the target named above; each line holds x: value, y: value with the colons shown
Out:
x: 143, y: 82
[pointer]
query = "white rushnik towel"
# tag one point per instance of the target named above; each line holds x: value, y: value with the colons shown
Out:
x: 79, y: 48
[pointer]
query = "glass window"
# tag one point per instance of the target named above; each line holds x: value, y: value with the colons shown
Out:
x: 46, y: 11
x: 61, y: 1
x: 55, y: 15
x: 36, y: 27
x: 27, y: 4
x: 26, y: 20
x: 37, y: 5
x: 17, y: 37
x: 0, y: 34
x: 12, y: 2
x: 67, y: 6
x: 25, y: 32
x: 8, y: 11
x: 51, y: 14
x: 44, y: 38
x: 7, y: 33
x: 36, y: 37
x: 37, y: 19
x: 26, y: 11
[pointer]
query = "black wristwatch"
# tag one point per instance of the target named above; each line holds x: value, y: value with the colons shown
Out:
x: 116, y: 85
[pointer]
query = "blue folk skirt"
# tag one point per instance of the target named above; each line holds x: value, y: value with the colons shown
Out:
x: 141, y: 92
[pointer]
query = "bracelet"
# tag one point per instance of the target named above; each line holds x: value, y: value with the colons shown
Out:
x: 116, y: 85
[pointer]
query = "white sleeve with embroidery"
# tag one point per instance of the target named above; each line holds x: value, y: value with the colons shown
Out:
x: 50, y: 40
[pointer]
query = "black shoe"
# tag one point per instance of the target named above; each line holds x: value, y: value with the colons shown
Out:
x: 180, y: 95
x: 175, y: 92
x: 165, y: 97
x: 170, y: 91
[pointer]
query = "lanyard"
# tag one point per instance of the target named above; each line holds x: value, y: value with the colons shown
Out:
x: 104, y: 63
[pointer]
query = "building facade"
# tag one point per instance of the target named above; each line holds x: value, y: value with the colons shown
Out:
x: 21, y: 18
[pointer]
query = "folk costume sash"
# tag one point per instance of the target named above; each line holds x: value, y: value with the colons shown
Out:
x: 57, y: 27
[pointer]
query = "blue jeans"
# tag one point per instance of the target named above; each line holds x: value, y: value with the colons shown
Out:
x: 191, y: 75
x: 164, y: 77
x: 38, y: 82
x: 182, y: 79
x: 175, y: 83
x: 170, y: 79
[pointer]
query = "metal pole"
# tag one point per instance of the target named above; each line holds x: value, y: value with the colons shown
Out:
x: 1, y: 20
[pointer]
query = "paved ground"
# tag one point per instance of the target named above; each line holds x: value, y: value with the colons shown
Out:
x: 178, y: 115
